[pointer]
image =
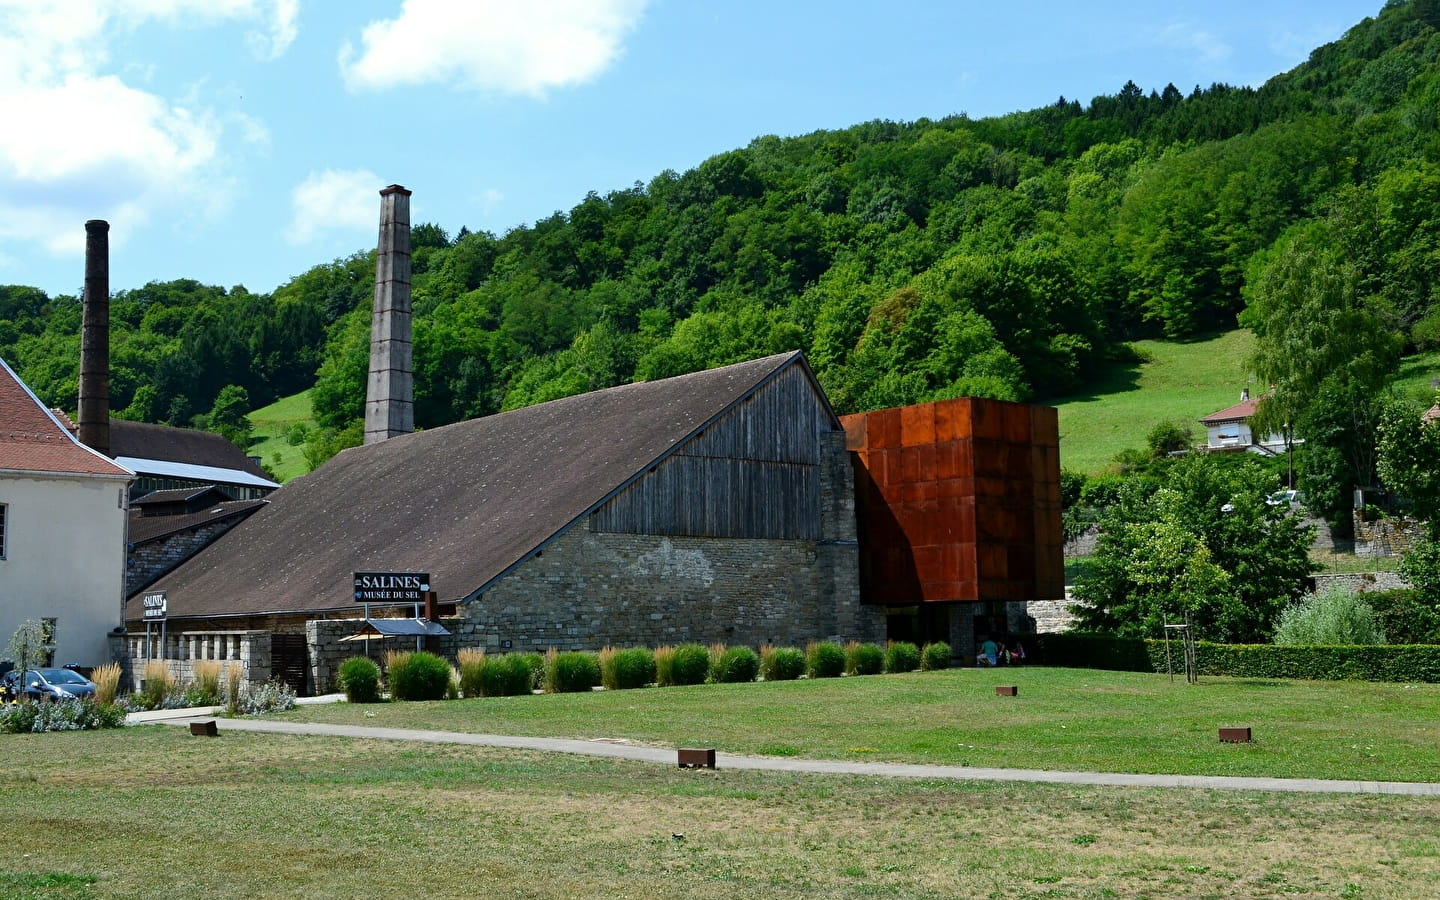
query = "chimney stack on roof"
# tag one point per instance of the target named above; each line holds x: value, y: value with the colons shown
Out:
x: 94, y: 414
x: 390, y: 394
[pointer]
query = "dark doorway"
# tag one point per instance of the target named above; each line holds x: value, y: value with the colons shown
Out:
x: 290, y: 661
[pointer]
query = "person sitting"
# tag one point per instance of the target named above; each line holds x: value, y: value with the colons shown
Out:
x: 989, y: 653
x: 1017, y: 654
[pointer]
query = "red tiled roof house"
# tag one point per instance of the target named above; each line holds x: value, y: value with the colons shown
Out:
x: 62, y: 530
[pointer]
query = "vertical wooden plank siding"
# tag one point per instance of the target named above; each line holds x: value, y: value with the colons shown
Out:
x: 754, y: 473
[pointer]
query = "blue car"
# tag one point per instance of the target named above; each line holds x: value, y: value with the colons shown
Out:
x: 49, y: 684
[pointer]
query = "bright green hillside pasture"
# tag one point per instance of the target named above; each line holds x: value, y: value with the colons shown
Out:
x: 1063, y: 719
x: 154, y: 812
x: 270, y: 425
x: 1181, y: 383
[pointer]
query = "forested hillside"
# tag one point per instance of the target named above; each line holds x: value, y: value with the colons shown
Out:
x: 1008, y: 257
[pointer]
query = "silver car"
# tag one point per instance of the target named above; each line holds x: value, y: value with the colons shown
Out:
x: 51, y: 684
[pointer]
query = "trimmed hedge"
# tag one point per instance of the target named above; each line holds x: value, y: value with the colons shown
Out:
x: 1392, y: 662
x: 935, y: 656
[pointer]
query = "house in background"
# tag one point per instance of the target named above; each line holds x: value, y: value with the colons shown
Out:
x: 168, y: 527
x: 1229, y: 430
x: 62, y: 530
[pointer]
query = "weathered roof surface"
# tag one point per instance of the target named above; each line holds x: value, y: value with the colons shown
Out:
x: 177, y: 495
x: 142, y: 441
x: 1237, y: 413
x: 464, y: 502
x: 32, y: 440
x: 148, y: 528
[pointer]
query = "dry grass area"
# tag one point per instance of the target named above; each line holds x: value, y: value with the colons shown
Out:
x: 153, y: 812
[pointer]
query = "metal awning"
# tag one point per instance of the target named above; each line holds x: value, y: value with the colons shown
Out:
x: 383, y: 628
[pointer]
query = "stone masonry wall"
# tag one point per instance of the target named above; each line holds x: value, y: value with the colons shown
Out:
x: 248, y: 649
x: 148, y: 561
x: 588, y: 590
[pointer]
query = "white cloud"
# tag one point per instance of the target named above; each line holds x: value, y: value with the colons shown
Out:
x: 1207, y: 47
x: 93, y: 146
x: 490, y: 200
x: 504, y: 46
x: 334, y: 201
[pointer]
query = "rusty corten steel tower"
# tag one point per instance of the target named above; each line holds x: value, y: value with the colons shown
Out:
x: 389, y: 396
x: 94, y: 412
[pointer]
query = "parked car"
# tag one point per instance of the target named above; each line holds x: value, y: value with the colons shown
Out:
x: 49, y: 684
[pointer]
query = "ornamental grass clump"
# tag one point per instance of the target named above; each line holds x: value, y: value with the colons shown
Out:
x: 359, y: 678
x: 156, y: 684
x: 935, y: 656
x: 472, y: 671
x: 508, y: 675
x: 781, y: 663
x: 418, y: 676
x: 633, y: 667
x: 690, y: 665
x: 863, y: 659
x: 570, y: 672
x: 205, y: 688
x: 901, y: 656
x: 736, y: 665
x: 107, y: 682
x: 234, y: 682
x: 824, y: 659
x: 665, y: 665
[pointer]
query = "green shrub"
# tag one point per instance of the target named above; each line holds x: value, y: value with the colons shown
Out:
x: 536, y: 664
x: 665, y: 665
x: 824, y: 659
x: 571, y: 672
x: 633, y: 667
x: 735, y: 666
x: 864, y: 659
x: 781, y: 663
x: 690, y: 664
x: 419, y: 676
x: 901, y: 656
x: 18, y: 718
x: 1404, y: 617
x: 935, y: 656
x: 1337, y: 615
x: 359, y: 678
x: 508, y: 675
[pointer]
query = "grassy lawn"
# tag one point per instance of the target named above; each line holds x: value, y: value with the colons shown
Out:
x: 152, y: 812
x: 271, y: 424
x: 1076, y: 719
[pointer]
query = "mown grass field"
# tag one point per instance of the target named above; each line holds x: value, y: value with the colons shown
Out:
x: 1074, y: 719
x: 152, y: 812
x: 271, y: 425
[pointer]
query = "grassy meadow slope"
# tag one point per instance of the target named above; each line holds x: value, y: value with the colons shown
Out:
x: 271, y: 426
x: 1180, y: 382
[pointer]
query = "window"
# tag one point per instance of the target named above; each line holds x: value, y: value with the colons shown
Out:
x: 47, y: 638
x: 3, y: 509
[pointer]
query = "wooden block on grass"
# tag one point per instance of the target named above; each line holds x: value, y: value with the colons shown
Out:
x: 1007, y: 690
x: 697, y: 759
x: 1235, y: 735
x: 205, y: 727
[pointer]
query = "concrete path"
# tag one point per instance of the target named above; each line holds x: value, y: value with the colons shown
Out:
x: 667, y: 756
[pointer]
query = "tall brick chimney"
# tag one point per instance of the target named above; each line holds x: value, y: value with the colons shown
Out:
x: 94, y: 414
x: 390, y: 394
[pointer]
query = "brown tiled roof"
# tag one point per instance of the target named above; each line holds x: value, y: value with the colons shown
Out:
x: 148, y: 528
x: 31, y: 440
x: 142, y: 440
x: 1237, y: 413
x: 464, y: 502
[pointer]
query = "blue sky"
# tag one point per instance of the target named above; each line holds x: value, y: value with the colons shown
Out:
x: 244, y: 141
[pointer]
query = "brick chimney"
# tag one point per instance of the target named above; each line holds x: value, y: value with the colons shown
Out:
x: 94, y: 414
x: 390, y: 394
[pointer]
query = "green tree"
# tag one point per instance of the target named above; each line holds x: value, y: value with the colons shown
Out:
x: 1409, y: 463
x: 229, y: 416
x: 27, y: 648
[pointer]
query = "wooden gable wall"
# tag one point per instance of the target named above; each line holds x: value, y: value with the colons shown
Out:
x: 753, y: 473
